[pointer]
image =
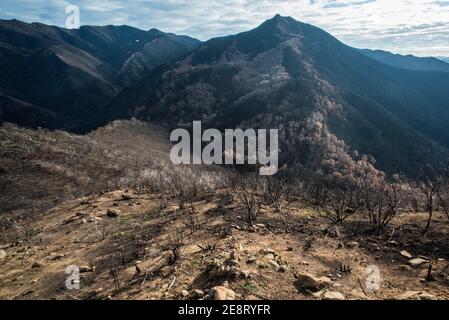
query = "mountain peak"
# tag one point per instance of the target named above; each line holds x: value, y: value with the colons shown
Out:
x: 282, y: 19
x: 283, y: 25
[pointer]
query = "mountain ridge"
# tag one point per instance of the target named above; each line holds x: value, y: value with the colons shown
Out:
x: 297, y: 73
x: 408, y: 62
x: 73, y: 72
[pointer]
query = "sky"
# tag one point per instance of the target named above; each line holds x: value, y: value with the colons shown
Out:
x: 419, y: 27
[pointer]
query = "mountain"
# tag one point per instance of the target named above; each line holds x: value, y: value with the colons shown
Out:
x: 408, y: 62
x: 444, y: 59
x: 161, y: 50
x: 56, y: 77
x: 331, y: 103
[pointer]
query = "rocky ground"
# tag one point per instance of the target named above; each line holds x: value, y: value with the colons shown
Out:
x: 135, y: 245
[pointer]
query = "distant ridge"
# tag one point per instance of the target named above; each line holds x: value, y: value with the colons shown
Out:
x: 408, y: 62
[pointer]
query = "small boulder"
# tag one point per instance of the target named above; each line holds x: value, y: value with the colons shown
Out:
x: 127, y: 196
x: 96, y: 291
x: 270, y: 256
x: 275, y: 264
x: 268, y: 251
x: 222, y: 293
x: 184, y: 293
x: 113, y: 213
x: 417, y: 262
x: 308, y: 281
x: 57, y: 256
x: 406, y: 254
x: 197, y: 294
x: 333, y: 295
x: 333, y: 232
x: 244, y: 274
x: 427, y: 296
x: 251, y: 260
x: 2, y: 255
x: 85, y: 269
x: 408, y: 295
x: 352, y: 245
x: 405, y: 267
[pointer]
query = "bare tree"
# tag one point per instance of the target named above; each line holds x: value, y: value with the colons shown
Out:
x: 429, y: 188
x: 279, y: 192
x: 380, y: 200
x: 443, y: 192
x: 389, y: 201
x: 338, y: 204
x: 250, y: 190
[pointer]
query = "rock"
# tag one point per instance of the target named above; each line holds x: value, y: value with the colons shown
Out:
x: 393, y: 243
x: 333, y: 295
x: 96, y: 291
x: 308, y: 281
x: 270, y: 256
x: 127, y: 196
x: 351, y: 245
x: 427, y: 296
x: 28, y: 292
x: 70, y: 220
x: 333, y: 232
x: 197, y: 294
x: 184, y: 293
x: 113, y: 213
x: 2, y: 255
x: 290, y: 249
x: 415, y: 295
x: 268, y: 251
x: 405, y: 267
x: 221, y: 293
x: 318, y: 294
x: 417, y: 262
x: 275, y: 265
x: 234, y: 256
x: 139, y: 266
x: 245, y: 274
x: 406, y: 254
x: 233, y: 262
x: 84, y: 269
x: 37, y: 264
x: 58, y: 256
x: 251, y: 260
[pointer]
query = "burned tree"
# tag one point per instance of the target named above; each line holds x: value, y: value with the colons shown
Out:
x: 250, y: 190
x: 429, y: 189
x: 279, y: 192
x: 338, y: 204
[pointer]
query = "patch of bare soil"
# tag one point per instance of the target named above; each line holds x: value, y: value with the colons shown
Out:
x: 133, y: 245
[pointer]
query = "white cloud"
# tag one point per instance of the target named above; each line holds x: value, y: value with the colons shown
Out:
x: 406, y: 26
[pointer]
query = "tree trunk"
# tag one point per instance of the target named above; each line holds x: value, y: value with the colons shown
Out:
x: 429, y: 220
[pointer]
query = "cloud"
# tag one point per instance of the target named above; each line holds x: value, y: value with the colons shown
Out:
x: 418, y: 27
